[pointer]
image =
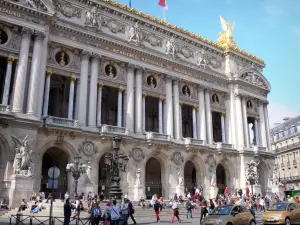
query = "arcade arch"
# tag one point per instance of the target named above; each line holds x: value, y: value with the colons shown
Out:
x: 190, y: 177
x: 221, y: 178
x: 153, y: 177
x: 103, y: 176
x: 55, y: 157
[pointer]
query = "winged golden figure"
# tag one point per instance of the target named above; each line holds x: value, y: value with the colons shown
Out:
x: 226, y: 37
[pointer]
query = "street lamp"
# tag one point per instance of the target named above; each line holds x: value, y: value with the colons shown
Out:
x: 115, y: 163
x: 76, y: 169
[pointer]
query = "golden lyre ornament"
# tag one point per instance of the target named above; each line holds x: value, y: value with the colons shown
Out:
x: 226, y: 38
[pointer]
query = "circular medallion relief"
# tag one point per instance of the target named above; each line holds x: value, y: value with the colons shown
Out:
x: 151, y: 81
x: 215, y: 98
x: 186, y: 91
x: 249, y: 104
x: 110, y: 71
x: 3, y: 37
x: 62, y: 58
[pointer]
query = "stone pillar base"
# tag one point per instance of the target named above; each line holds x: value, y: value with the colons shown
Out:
x: 21, y: 188
x: 179, y: 191
x: 136, y: 193
x: 256, y: 189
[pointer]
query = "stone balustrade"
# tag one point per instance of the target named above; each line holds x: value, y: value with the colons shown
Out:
x: 157, y: 136
x: 5, y: 109
x: 57, y: 121
x: 111, y: 130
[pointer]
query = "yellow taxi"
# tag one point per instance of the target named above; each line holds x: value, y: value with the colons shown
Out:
x: 282, y: 213
x: 229, y: 215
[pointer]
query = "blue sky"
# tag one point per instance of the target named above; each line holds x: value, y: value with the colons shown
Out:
x: 269, y: 29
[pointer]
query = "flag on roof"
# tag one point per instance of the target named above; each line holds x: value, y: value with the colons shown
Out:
x: 162, y: 3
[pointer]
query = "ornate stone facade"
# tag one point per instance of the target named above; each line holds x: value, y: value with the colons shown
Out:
x: 181, y: 103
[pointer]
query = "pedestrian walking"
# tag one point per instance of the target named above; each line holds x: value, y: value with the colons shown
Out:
x: 203, y: 206
x: 115, y: 213
x: 95, y: 214
x: 157, y: 208
x: 189, y: 208
x: 131, y: 211
x: 175, y: 212
x: 107, y: 213
x: 124, y: 211
x: 67, y: 212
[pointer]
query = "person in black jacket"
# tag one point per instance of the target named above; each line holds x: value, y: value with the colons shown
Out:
x: 157, y: 207
x: 131, y: 211
x: 67, y: 212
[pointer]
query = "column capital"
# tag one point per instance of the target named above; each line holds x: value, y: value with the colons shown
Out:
x: 195, y: 107
x: 85, y: 55
x: 96, y: 56
x: 73, y: 79
x: 130, y: 66
x: 202, y: 87
x: 222, y: 114
x: 161, y: 99
x: 26, y: 32
x: 39, y: 35
x: 168, y: 77
x: 180, y: 104
x: 100, y: 85
x: 10, y: 60
x: 257, y: 119
x: 144, y: 95
x: 49, y: 74
x: 121, y: 89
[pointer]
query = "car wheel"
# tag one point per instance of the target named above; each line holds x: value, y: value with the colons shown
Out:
x: 252, y: 222
x: 287, y: 221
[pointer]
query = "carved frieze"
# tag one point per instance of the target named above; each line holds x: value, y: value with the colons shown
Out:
x: 186, y: 52
x: 177, y: 158
x: 137, y: 154
x: 88, y: 148
x: 152, y: 39
x: 113, y: 26
x: 134, y: 34
x: 210, y: 161
x: 34, y: 4
x: 170, y: 47
x: 67, y: 9
x: 253, y: 78
x: 92, y: 18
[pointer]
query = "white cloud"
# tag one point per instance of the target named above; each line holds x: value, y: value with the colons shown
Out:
x: 278, y: 111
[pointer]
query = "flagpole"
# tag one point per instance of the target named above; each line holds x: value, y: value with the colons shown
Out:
x: 164, y: 12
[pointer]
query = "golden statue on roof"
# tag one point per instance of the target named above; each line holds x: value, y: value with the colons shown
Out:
x: 226, y: 38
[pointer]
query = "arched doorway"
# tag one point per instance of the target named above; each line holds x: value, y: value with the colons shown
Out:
x: 55, y: 157
x: 221, y: 178
x: 153, y: 178
x: 190, y: 177
x: 3, y: 163
x: 103, y: 177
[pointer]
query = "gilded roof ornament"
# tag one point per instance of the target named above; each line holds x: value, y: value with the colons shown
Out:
x: 226, y: 37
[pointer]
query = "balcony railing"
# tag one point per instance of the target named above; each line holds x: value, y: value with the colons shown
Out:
x: 288, y: 147
x: 5, y: 109
x: 290, y: 179
x: 57, y: 121
x: 192, y: 141
x: 157, y: 136
x: 109, y: 129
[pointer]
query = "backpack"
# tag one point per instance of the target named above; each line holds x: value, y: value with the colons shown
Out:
x: 96, y: 212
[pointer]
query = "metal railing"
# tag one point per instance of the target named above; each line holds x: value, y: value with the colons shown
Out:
x: 288, y: 147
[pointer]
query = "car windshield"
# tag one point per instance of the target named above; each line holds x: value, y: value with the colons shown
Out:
x: 278, y: 207
x: 221, y: 210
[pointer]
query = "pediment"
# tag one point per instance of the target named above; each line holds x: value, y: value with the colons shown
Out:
x: 43, y: 6
x: 253, y: 77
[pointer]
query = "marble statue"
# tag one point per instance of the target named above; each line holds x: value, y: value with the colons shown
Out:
x: 134, y: 33
x: 24, y: 159
x: 251, y: 172
x: 170, y: 47
x: 201, y: 61
x: 226, y: 37
x: 89, y: 174
x: 138, y: 177
x: 213, y: 182
x: 275, y: 175
x: 180, y: 178
x: 62, y: 61
x: 91, y: 18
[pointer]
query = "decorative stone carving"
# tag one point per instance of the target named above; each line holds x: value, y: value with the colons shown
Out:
x: 251, y: 172
x: 92, y: 18
x: 186, y: 91
x: 187, y: 53
x: 275, y: 175
x: 138, y: 177
x: 110, y: 71
x: 67, y: 9
x: 180, y: 178
x: 210, y: 162
x: 24, y: 159
x: 170, y: 47
x: 201, y: 60
x: 134, y: 34
x: 89, y: 173
x: 35, y: 4
x: 252, y: 78
x: 177, y: 158
x: 114, y: 26
x: 88, y: 148
x: 137, y: 154
x: 152, y: 39
x: 215, y: 99
x: 213, y: 182
x: 151, y: 81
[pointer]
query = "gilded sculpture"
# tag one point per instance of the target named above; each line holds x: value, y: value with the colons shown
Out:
x: 226, y: 38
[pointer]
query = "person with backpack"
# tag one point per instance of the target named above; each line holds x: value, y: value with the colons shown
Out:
x: 124, y: 211
x: 131, y: 211
x: 115, y: 214
x: 95, y: 214
x: 189, y: 207
x: 157, y: 207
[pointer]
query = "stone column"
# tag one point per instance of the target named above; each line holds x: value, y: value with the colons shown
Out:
x: 245, y: 122
x: 209, y: 130
x: 223, y: 127
x: 5, y: 97
x: 47, y: 92
x: 84, y: 69
x: 239, y: 122
x: 120, y: 106
x: 34, y: 73
x: 263, y: 132
x: 71, y: 98
x: 169, y: 107
x: 144, y: 112
x: 99, y: 104
x: 177, y: 118
x: 130, y: 98
x: 242, y: 172
x: 138, y: 102
x: 194, y: 122
x: 256, y: 131
x: 201, y: 115
x: 267, y: 126
x: 180, y: 119
x: 21, y: 72
x: 93, y: 91
x: 77, y: 99
x: 228, y: 128
x: 160, y: 115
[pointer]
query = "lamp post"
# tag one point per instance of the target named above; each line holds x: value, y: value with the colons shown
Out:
x: 115, y: 163
x: 76, y: 169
